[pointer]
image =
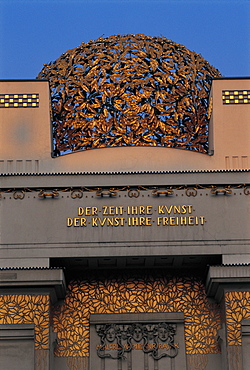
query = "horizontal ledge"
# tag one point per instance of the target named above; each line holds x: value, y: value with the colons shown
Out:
x: 128, y: 318
x: 219, y: 277
x: 16, y: 331
x: 30, y: 279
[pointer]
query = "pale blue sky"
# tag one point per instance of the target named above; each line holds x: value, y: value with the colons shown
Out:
x: 36, y: 32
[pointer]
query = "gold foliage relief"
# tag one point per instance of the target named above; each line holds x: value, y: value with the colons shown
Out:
x: 127, y: 91
x: 28, y: 309
x: 237, y: 309
x: 135, y: 295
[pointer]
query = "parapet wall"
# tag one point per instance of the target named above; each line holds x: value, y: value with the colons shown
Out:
x: 26, y: 143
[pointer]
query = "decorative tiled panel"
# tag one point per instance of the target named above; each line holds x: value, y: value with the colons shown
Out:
x: 19, y: 100
x: 236, y: 96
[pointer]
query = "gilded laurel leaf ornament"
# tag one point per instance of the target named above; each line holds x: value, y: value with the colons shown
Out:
x: 27, y: 309
x: 237, y: 309
x: 130, y: 90
x: 135, y: 294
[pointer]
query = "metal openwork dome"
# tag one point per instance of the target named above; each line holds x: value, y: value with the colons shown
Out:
x: 130, y: 90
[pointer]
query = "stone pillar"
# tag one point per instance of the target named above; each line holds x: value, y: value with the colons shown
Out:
x: 229, y: 285
x: 26, y: 297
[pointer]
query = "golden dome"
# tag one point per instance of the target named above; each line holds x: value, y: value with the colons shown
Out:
x: 129, y: 90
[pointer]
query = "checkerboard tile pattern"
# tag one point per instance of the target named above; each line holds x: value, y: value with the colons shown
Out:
x: 19, y: 100
x: 236, y: 96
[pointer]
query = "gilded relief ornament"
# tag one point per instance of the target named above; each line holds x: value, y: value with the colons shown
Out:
x: 130, y: 90
x: 237, y: 309
x: 28, y: 309
x: 135, y: 294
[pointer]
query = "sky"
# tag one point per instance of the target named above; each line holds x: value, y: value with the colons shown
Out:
x: 35, y: 32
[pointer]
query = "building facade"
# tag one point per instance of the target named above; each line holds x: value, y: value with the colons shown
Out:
x: 124, y: 257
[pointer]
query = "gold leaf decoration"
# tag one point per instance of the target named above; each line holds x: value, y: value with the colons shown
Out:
x: 127, y: 91
x: 122, y: 294
x: 27, y: 309
x: 237, y: 309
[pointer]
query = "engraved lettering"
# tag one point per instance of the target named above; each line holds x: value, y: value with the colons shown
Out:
x: 110, y: 222
x: 160, y: 209
x: 177, y: 209
x: 202, y: 220
x: 120, y: 210
x: 80, y: 211
x: 172, y: 221
x: 137, y: 336
x: 183, y: 209
x: 88, y: 211
x: 105, y: 210
x: 102, y: 222
x: 142, y: 221
x: 69, y: 222
x: 169, y: 210
x: 183, y: 221
x: 149, y: 210
x: 191, y: 220
x: 83, y: 221
x: 134, y: 210
x: 165, y: 221
x: 76, y: 221
x: 136, y: 216
x: 94, y: 221
x: 133, y: 221
x: 142, y: 210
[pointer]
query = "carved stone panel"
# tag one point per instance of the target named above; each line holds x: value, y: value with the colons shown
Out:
x: 137, y: 341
